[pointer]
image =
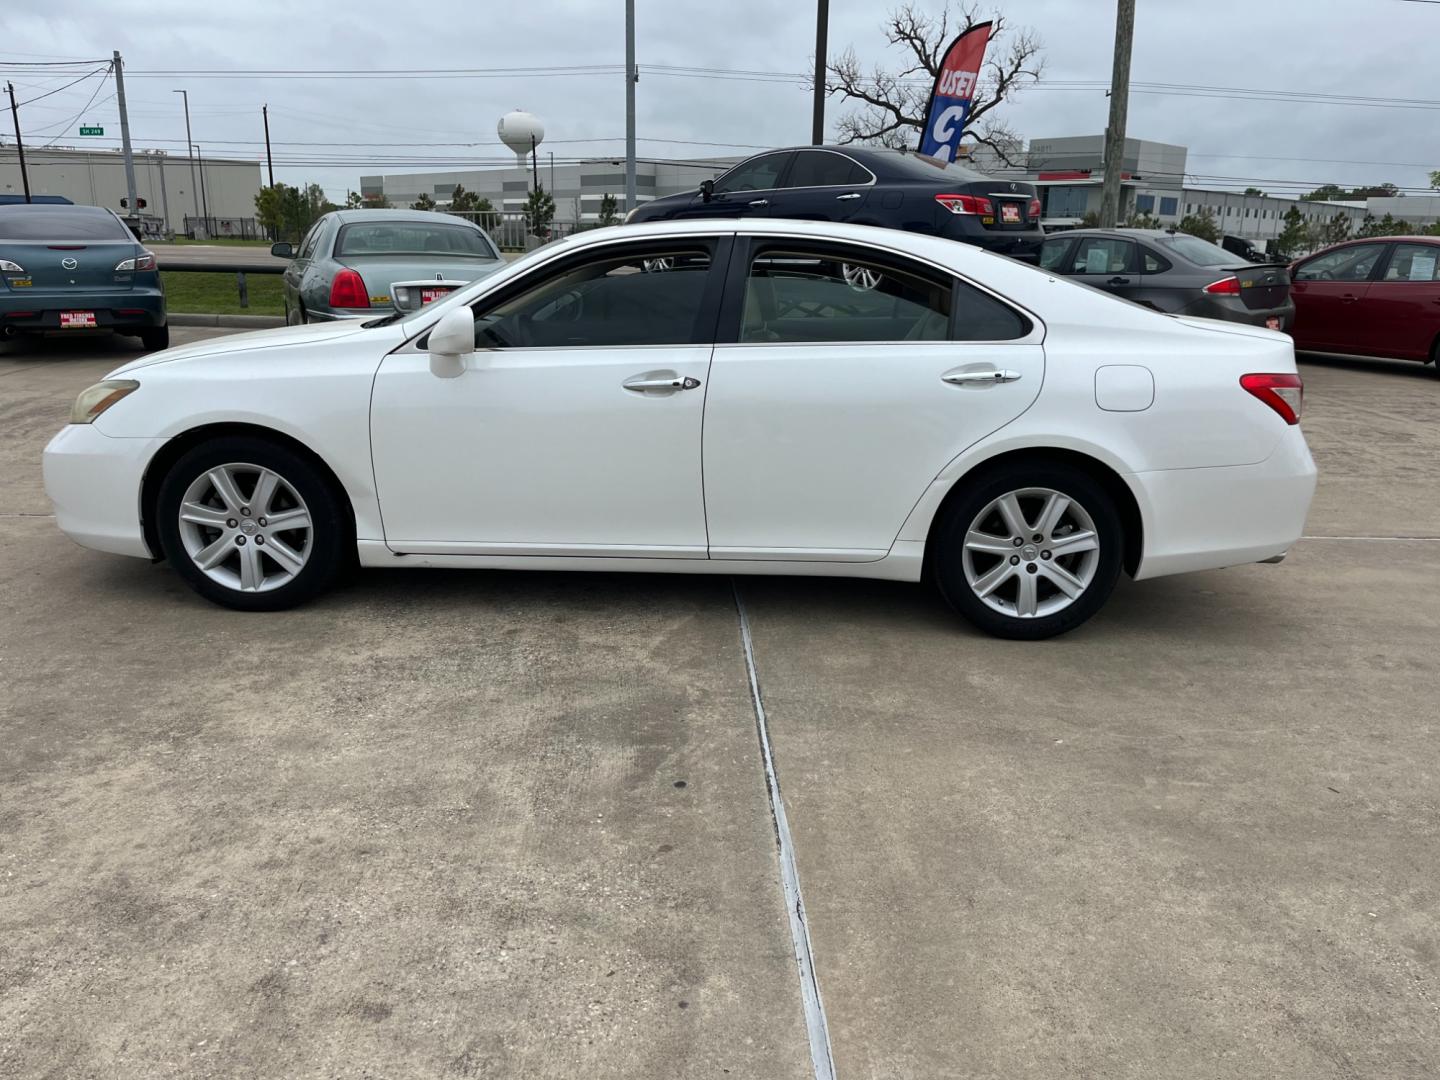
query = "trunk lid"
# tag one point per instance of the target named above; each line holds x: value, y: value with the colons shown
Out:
x: 1263, y: 286
x: 66, y: 268
x: 1009, y: 204
x: 380, y: 272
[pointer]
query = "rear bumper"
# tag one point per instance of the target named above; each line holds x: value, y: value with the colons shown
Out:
x: 94, y: 483
x: 123, y: 312
x: 1205, y: 519
x: 1018, y: 244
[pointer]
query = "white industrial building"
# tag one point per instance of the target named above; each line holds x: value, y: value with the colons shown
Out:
x: 97, y: 178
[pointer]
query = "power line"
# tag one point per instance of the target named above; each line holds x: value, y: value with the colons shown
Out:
x: 67, y: 86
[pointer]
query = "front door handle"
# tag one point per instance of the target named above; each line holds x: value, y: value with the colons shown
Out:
x: 1348, y: 298
x: 1118, y: 281
x: 980, y: 378
x: 759, y: 202
x: 660, y: 382
x: 851, y: 195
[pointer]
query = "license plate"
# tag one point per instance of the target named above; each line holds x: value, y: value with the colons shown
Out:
x: 1010, y: 213
x: 428, y: 295
x: 1275, y: 322
x: 76, y: 320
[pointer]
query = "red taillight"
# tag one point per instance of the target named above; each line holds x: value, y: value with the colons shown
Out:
x: 1034, y: 209
x: 1229, y: 286
x: 966, y: 204
x: 145, y: 261
x: 348, y: 290
x: 1283, y: 393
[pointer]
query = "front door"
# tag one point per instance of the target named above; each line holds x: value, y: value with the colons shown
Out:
x: 849, y: 379
x: 745, y: 191
x: 1327, y: 290
x: 822, y: 185
x: 574, y: 428
x: 1107, y: 262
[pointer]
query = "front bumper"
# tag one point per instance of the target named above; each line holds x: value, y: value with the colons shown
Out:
x: 94, y: 483
x: 1205, y: 519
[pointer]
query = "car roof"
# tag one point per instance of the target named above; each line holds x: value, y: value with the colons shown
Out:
x: 349, y: 217
x: 1149, y: 234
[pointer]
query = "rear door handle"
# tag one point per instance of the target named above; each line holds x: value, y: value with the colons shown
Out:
x: 1348, y: 298
x: 980, y: 378
x: 759, y: 202
x: 660, y: 382
x: 851, y: 195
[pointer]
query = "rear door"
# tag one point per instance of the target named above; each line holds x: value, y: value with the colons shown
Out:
x: 744, y: 191
x: 822, y: 185
x: 839, y: 391
x: 1326, y: 289
x: 1399, y: 315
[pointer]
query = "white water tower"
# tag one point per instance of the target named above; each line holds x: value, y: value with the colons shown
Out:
x: 521, y: 131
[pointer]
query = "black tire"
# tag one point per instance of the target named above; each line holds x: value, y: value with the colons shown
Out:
x: 947, y: 554
x: 331, y: 537
x: 155, y: 338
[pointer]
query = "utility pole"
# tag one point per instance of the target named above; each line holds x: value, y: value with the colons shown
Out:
x: 534, y: 164
x: 631, y: 77
x: 118, y: 66
x: 19, y: 142
x: 269, y: 161
x: 204, y: 203
x: 194, y: 190
x: 822, y: 26
x: 1119, y: 106
x: 164, y: 194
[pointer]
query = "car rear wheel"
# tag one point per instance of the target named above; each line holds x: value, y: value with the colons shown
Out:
x: 1031, y: 551
x: 252, y: 525
x: 155, y: 338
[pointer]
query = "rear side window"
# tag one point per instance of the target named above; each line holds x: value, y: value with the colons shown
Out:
x: 1102, y: 255
x: 1154, y: 264
x: 820, y: 168
x: 54, y: 223
x: 1414, y: 262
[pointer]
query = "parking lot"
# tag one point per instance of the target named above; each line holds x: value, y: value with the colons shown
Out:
x: 514, y: 824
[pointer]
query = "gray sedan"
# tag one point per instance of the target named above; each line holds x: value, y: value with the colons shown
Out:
x: 1175, y: 273
x: 368, y: 262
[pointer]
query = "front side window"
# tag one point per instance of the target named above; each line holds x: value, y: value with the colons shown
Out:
x: 1102, y: 255
x: 1345, y: 264
x: 820, y: 168
x: 1414, y: 262
x: 413, y: 238
x: 654, y: 298
x: 1052, y: 255
x: 758, y: 174
x: 307, y: 246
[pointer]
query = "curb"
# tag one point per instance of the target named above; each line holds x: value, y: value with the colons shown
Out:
x: 247, y: 322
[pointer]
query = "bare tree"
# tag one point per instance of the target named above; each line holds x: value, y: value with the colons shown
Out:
x: 892, y: 103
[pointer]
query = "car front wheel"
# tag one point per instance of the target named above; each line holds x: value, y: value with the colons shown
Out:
x: 1031, y: 551
x: 252, y: 525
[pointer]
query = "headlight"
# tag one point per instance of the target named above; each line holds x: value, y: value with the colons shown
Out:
x: 95, y: 400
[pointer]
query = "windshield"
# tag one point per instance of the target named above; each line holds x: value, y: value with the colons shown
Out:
x: 1200, y: 252
x: 414, y: 238
x: 60, y: 223
x: 920, y: 167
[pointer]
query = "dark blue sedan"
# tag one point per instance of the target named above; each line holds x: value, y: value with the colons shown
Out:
x: 77, y: 270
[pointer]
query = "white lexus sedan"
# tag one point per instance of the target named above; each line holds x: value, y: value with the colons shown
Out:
x: 741, y: 397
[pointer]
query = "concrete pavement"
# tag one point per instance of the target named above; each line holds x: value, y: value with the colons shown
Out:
x: 433, y: 825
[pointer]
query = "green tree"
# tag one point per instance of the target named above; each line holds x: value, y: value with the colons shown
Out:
x: 1090, y: 219
x: 1435, y: 179
x: 423, y: 202
x: 609, y: 210
x: 1143, y: 221
x: 1324, y: 193
x: 353, y: 201
x: 539, y: 211
x: 1293, y: 236
x: 287, y: 212
x: 1254, y: 192
x: 1337, y: 228
x: 1202, y: 225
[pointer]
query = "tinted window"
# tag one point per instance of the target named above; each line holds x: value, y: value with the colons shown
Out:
x: 1102, y: 255
x: 55, y: 223
x: 804, y: 296
x: 1052, y: 253
x: 817, y: 168
x: 757, y: 174
x: 412, y: 238
x: 307, y: 246
x: 1414, y: 262
x: 650, y: 299
x: 1344, y: 264
x: 915, y: 166
x: 1200, y: 252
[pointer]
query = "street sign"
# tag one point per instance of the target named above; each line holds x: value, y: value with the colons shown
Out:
x: 92, y: 131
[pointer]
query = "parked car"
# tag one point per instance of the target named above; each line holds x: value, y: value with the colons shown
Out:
x: 1248, y: 252
x: 864, y: 405
x: 894, y: 189
x: 1377, y: 297
x: 71, y: 270
x: 1175, y: 273
x: 358, y: 263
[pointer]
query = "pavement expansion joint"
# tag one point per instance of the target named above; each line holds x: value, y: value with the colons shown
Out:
x: 817, y: 1030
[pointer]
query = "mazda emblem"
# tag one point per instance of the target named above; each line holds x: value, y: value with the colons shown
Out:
x: 69, y: 263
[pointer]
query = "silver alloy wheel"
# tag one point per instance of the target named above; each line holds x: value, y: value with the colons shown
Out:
x: 1031, y: 553
x: 860, y: 278
x: 245, y: 527
x: 658, y: 265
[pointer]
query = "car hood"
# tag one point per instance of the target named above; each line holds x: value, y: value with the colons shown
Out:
x: 278, y: 337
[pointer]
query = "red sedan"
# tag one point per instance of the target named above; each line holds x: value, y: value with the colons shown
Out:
x: 1378, y: 297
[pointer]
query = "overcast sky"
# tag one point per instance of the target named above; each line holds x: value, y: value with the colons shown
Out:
x: 1307, y: 46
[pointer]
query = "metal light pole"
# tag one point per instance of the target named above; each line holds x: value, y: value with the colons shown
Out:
x: 1119, y: 105
x: 630, y: 79
x: 194, y: 191
x: 822, y: 26
x: 118, y: 66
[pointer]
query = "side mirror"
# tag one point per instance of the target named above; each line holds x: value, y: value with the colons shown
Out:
x: 282, y: 251
x: 451, y: 341
x: 707, y: 190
